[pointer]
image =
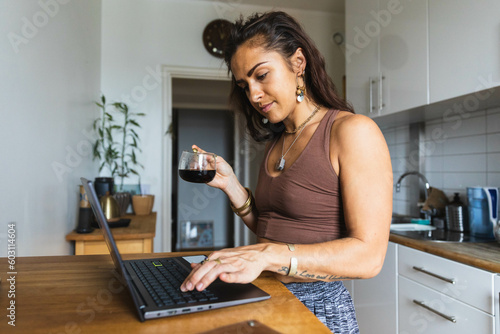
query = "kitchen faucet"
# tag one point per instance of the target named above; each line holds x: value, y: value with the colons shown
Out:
x: 427, y: 213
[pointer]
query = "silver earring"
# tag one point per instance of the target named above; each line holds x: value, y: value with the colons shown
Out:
x: 265, y: 120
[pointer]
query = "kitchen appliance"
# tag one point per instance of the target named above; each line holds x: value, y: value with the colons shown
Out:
x: 84, y: 214
x: 103, y: 185
x: 110, y: 208
x: 483, y: 211
x: 457, y: 218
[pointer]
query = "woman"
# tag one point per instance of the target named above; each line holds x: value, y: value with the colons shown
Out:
x: 323, y: 201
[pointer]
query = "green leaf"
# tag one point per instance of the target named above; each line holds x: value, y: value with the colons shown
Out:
x: 103, y: 99
x: 133, y: 171
x: 135, y: 123
x: 109, y: 116
x: 108, y: 134
x: 99, y: 105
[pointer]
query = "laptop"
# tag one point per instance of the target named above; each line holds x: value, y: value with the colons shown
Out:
x: 154, y: 284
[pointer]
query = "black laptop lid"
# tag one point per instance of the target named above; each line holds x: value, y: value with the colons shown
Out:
x: 110, y: 241
x: 103, y: 224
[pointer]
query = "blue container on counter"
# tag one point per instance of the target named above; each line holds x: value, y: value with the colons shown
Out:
x: 483, y: 211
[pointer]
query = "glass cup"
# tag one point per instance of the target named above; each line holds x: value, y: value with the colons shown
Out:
x: 197, y: 167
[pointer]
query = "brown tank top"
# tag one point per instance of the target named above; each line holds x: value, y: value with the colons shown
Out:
x: 302, y: 205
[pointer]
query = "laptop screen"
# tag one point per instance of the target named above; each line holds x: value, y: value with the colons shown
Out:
x: 103, y: 224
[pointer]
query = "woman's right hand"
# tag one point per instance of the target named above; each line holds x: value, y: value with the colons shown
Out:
x: 224, y: 175
x: 226, y: 180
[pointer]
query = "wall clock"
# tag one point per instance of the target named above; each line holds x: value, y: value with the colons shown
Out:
x: 215, y: 35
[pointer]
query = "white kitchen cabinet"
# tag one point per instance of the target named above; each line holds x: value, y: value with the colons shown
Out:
x: 496, y: 297
x: 437, y: 295
x: 464, y: 47
x: 362, y: 55
x: 437, y: 313
x: 404, y: 57
x: 468, y: 284
x: 375, y: 299
x: 386, y: 55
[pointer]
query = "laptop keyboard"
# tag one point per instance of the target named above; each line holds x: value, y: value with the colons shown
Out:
x: 163, y: 278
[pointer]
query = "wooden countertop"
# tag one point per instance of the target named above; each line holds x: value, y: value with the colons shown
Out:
x: 82, y: 294
x: 140, y: 227
x: 481, y: 255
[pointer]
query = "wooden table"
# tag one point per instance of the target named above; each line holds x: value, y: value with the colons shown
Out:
x: 135, y: 238
x: 82, y: 294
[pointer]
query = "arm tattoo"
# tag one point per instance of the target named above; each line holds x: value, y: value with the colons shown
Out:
x: 284, y: 270
x: 305, y: 274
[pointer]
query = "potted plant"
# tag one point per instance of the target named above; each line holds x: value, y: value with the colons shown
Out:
x: 117, y: 144
x: 126, y: 157
x: 103, y: 149
x: 142, y: 203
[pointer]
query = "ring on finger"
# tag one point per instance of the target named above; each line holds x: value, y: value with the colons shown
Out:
x: 217, y: 260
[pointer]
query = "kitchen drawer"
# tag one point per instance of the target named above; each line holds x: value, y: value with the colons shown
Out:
x: 496, y: 296
x: 472, y: 286
x: 414, y: 318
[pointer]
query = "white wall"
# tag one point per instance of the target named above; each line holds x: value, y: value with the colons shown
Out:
x: 139, y: 36
x: 51, y: 56
x: 50, y: 73
x: 458, y: 152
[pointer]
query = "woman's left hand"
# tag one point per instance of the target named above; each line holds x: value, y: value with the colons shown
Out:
x: 232, y: 265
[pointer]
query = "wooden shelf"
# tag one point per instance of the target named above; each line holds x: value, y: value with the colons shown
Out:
x: 135, y: 238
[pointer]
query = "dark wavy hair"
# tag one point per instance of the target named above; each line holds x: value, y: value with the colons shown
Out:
x: 277, y: 31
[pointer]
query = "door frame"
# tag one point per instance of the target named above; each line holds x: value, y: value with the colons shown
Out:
x: 179, y: 72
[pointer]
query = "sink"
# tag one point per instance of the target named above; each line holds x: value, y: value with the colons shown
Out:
x: 411, y: 227
x: 401, y: 225
x: 400, y: 219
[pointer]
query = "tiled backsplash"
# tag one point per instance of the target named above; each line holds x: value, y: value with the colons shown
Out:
x: 456, y: 153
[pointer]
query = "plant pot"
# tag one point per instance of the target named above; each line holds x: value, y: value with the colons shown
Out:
x: 143, y: 204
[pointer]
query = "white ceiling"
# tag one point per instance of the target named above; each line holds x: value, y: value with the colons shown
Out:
x: 333, y: 6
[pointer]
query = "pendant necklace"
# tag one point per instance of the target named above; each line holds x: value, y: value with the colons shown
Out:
x: 281, y: 163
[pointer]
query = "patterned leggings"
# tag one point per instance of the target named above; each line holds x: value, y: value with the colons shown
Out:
x: 330, y: 302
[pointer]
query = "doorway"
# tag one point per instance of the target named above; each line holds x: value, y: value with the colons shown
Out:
x: 202, y: 218
x: 201, y: 89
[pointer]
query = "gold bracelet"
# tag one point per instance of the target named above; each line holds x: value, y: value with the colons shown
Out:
x: 246, y: 205
x: 241, y: 215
